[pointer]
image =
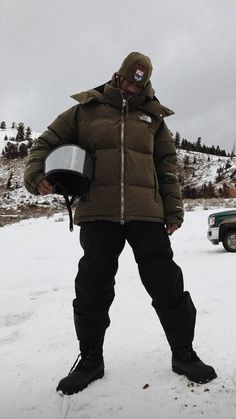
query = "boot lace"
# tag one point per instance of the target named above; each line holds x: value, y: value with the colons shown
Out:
x: 87, y: 360
x: 75, y: 363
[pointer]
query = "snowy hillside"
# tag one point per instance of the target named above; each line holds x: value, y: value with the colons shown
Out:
x: 38, y: 343
x: 11, y: 133
x: 203, y: 168
x: 16, y: 202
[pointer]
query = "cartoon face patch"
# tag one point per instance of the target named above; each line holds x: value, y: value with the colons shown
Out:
x: 138, y: 76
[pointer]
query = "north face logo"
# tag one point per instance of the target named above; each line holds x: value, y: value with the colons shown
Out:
x: 145, y: 118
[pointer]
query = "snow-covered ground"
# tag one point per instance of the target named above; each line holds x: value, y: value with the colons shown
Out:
x: 38, y: 343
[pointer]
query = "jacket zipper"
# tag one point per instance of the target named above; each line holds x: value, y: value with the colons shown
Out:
x: 122, y: 194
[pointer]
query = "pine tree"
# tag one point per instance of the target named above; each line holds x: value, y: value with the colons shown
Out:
x: 186, y: 161
x: 30, y: 143
x: 204, y: 149
x: 219, y: 176
x: 13, y: 126
x: 218, y: 153
x: 198, y: 144
x: 232, y: 155
x: 210, y: 190
x: 177, y: 139
x: 23, y: 150
x: 10, y: 151
x: 194, y: 194
x: 202, y: 192
x: 228, y: 165
x: 3, y: 125
x: 28, y: 135
x: 225, y: 190
x: 20, y: 132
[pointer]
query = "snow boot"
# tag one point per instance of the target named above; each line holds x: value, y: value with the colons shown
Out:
x: 89, y: 368
x: 186, y: 362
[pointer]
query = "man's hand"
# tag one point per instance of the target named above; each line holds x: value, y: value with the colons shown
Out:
x: 171, y: 228
x: 44, y: 187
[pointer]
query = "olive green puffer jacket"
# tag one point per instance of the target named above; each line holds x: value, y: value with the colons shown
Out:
x: 135, y: 174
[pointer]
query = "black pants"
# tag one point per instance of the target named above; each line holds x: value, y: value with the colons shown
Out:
x: 103, y: 241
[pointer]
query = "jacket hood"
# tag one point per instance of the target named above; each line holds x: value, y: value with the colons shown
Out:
x: 92, y: 95
x: 146, y: 100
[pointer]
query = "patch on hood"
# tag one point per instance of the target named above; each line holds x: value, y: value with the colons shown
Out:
x: 145, y: 118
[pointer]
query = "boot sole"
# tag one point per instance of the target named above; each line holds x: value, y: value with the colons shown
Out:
x: 97, y: 377
x: 195, y: 379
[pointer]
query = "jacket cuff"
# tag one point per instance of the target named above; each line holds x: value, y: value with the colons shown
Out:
x: 33, y: 186
x: 172, y: 219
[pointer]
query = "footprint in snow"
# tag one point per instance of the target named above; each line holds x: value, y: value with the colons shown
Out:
x: 13, y: 337
x: 36, y: 294
x: 14, y: 319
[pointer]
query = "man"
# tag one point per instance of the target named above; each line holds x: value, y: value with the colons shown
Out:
x: 134, y: 196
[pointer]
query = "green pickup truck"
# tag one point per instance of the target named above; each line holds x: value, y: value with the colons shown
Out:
x: 222, y: 228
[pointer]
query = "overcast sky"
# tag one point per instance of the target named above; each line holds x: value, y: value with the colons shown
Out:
x: 51, y: 49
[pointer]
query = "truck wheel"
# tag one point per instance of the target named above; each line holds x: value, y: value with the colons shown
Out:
x: 229, y: 241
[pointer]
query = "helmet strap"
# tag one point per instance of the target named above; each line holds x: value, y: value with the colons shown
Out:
x: 69, y: 203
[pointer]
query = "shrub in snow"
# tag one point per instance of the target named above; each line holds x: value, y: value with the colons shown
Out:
x: 3, y: 125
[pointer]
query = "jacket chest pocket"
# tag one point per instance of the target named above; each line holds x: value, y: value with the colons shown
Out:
x: 146, y: 135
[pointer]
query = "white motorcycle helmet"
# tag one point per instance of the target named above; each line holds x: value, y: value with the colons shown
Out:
x: 69, y: 169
